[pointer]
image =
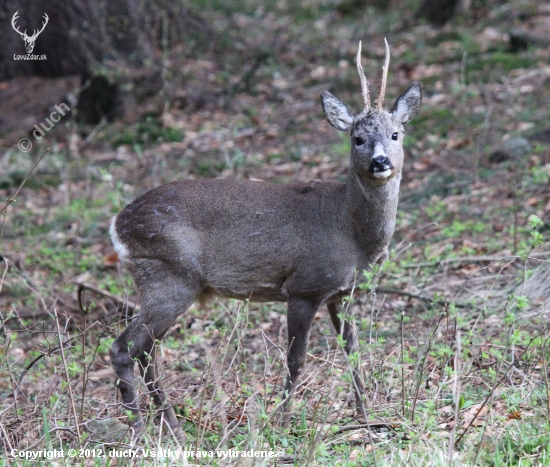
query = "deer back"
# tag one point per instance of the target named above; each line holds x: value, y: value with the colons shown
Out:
x: 248, y: 239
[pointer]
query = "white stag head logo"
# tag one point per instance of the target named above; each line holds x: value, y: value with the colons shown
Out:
x: 29, y: 41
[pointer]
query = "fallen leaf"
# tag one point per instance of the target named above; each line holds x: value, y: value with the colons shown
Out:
x: 420, y: 166
x: 468, y: 270
x: 470, y: 415
x: 110, y: 259
x: 468, y: 243
x: 240, y: 416
x: 458, y: 143
x: 500, y: 408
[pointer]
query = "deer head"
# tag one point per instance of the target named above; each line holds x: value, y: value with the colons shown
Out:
x: 29, y: 41
x: 376, y: 134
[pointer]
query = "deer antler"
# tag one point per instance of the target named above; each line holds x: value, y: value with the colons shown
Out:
x: 382, y: 91
x: 364, y: 82
x: 36, y: 33
x: 23, y: 34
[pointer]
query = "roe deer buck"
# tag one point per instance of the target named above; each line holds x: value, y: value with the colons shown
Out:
x: 254, y: 240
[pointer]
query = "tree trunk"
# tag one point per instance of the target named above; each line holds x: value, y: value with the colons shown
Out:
x: 537, y: 287
x: 437, y: 12
x: 121, y: 40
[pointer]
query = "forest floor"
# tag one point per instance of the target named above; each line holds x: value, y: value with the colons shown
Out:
x: 453, y: 329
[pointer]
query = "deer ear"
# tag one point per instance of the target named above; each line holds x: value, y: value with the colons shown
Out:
x: 407, y: 104
x: 337, y: 113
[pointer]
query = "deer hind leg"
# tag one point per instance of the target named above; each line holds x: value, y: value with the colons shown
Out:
x: 162, y: 302
x: 299, y: 318
x: 349, y: 334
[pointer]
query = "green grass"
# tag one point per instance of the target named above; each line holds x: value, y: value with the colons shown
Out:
x: 146, y: 132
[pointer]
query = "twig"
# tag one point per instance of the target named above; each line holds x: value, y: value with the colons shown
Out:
x: 6, y: 438
x: 200, y: 434
x: 324, y: 360
x: 11, y: 376
x: 319, y: 432
x: 42, y: 355
x: 4, y: 274
x: 85, y: 368
x: 456, y: 394
x: 472, y: 259
x: 417, y: 296
x: 385, y: 290
x: 353, y: 372
x: 497, y: 383
x: 421, y: 366
x: 402, y: 364
x: 30, y: 284
x: 85, y: 285
x: 4, y: 210
x: 368, y: 426
x: 545, y: 372
x: 71, y: 397
x: 51, y: 431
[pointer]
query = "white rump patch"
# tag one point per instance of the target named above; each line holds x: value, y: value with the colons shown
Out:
x: 384, y: 174
x: 119, y: 247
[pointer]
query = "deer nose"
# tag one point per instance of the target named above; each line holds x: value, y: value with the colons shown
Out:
x: 380, y: 164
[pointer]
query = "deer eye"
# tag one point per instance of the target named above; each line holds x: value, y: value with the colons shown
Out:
x: 359, y: 141
x: 394, y: 136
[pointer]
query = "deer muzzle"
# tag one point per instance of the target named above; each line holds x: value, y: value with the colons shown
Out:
x: 380, y: 167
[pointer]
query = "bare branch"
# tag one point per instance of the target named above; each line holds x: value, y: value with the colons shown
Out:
x: 3, y: 210
x: 86, y: 285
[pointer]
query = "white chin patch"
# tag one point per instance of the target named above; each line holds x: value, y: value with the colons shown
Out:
x: 384, y: 174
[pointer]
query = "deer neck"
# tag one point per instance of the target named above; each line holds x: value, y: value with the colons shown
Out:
x: 373, y: 209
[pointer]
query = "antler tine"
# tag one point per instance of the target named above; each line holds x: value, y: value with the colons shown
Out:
x: 364, y: 82
x: 44, y: 23
x: 14, y: 18
x: 382, y: 91
x: 14, y: 26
